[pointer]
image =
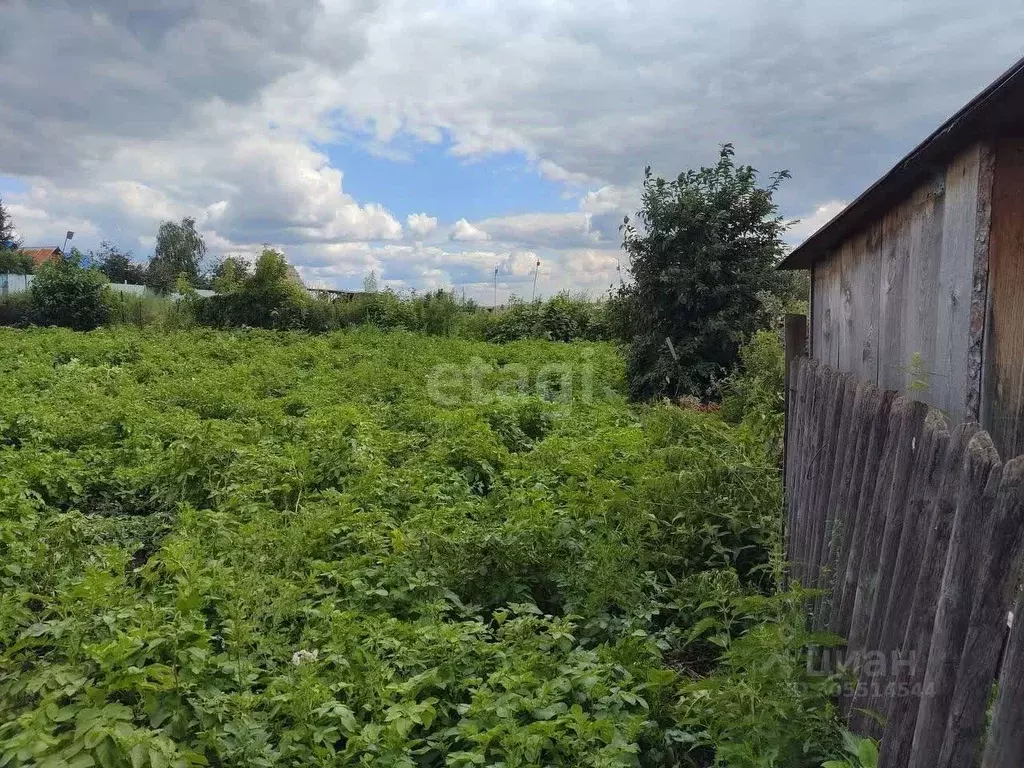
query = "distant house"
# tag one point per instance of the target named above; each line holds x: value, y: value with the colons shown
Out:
x: 918, y: 284
x: 42, y: 253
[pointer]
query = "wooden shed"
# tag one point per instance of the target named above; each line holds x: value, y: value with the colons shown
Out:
x: 918, y: 284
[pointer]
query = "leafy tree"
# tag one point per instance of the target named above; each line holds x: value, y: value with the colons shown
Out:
x: 179, y: 252
x: 229, y: 274
x: 268, y: 298
x: 118, y: 265
x: 702, y: 258
x: 9, y: 240
x: 370, y: 283
x: 66, y: 294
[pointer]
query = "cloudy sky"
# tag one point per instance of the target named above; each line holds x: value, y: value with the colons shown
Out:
x: 432, y: 142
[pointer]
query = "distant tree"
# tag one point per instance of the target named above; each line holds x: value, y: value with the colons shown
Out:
x: 702, y: 259
x: 229, y: 274
x: 9, y: 240
x: 370, y: 282
x: 179, y: 252
x: 117, y: 265
x: 15, y: 262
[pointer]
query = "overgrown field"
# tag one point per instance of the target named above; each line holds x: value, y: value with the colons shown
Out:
x: 261, y: 548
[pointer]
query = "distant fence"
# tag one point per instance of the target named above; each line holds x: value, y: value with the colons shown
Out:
x: 915, y: 533
x: 14, y: 284
x: 20, y: 283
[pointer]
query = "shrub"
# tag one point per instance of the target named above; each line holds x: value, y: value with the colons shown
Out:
x: 16, y: 309
x: 66, y: 294
x: 268, y: 298
x: 701, y: 259
x: 754, y: 393
x: 561, y: 318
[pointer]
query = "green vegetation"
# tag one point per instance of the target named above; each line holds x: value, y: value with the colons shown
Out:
x: 702, y: 262
x: 267, y: 548
x: 64, y: 294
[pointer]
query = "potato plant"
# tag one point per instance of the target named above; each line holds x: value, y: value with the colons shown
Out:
x: 259, y: 548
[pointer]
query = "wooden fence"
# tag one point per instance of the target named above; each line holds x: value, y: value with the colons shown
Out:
x: 914, y: 531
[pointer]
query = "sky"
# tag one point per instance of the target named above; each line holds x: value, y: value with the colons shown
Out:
x: 434, y: 143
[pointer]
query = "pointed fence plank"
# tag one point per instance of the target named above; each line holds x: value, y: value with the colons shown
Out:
x: 979, y: 481
x: 1005, y: 744
x: 997, y: 584
x: 912, y: 661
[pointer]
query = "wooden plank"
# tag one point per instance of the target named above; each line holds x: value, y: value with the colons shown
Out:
x: 858, y: 327
x: 919, y: 510
x: 825, y: 311
x: 1003, y: 396
x: 998, y: 583
x: 840, y: 406
x: 867, y: 578
x: 979, y: 287
x: 955, y: 279
x: 794, y: 483
x: 868, y: 474
x: 803, y: 461
x: 877, y: 571
x: 814, y: 444
x: 1005, y: 743
x: 837, y: 537
x: 869, y: 407
x: 894, y: 304
x: 793, y: 414
x: 912, y: 661
x: 831, y: 412
x: 919, y: 351
x: 979, y: 482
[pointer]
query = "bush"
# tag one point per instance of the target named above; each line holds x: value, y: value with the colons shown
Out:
x: 269, y: 298
x: 754, y: 393
x: 65, y: 294
x: 702, y: 259
x: 16, y: 309
x: 561, y: 318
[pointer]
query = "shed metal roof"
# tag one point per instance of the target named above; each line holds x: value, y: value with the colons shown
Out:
x: 39, y: 254
x: 993, y: 111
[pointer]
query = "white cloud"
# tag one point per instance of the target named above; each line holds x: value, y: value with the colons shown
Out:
x: 555, y: 172
x: 532, y: 229
x: 811, y: 223
x: 420, y: 224
x: 609, y: 199
x: 465, y: 232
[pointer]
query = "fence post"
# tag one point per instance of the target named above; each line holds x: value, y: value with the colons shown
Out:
x: 796, y: 345
x: 796, y: 342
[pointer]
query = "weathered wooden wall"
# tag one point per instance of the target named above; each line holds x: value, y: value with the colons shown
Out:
x: 916, y: 532
x: 893, y: 304
x: 1003, y: 390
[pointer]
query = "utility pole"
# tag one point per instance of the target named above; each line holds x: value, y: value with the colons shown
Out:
x: 496, y: 287
x: 536, y: 269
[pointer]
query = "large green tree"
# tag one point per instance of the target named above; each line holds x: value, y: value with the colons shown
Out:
x: 702, y: 254
x: 178, y: 255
